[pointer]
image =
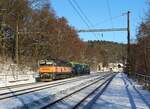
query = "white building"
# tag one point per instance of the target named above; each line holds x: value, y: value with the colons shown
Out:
x: 114, y: 67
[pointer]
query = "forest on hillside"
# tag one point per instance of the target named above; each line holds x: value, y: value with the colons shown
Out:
x: 106, y: 52
x: 41, y: 34
x: 140, y: 50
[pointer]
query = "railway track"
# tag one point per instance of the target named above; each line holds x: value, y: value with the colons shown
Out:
x: 94, y: 93
x: 18, y: 92
x: 18, y: 85
x: 95, y: 85
x: 136, y: 90
x: 41, y: 83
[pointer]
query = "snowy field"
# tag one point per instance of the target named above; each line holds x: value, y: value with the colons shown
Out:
x: 121, y: 93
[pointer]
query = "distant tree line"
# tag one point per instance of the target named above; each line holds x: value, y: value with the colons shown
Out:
x: 43, y: 34
x: 106, y: 52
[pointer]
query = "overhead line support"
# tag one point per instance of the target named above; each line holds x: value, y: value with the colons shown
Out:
x: 104, y: 30
x: 128, y: 39
x: 117, y: 29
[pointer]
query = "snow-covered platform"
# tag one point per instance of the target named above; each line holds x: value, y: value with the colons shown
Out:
x: 123, y: 93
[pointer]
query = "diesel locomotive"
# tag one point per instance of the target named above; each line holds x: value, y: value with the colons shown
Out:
x: 52, y: 69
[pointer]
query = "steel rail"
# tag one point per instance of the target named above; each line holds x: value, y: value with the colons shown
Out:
x: 106, y: 83
x: 42, y: 83
x: 138, y: 92
x: 38, y: 88
x: 24, y: 84
x: 59, y: 100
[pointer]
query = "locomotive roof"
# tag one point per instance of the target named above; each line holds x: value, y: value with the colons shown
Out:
x: 59, y: 61
x: 55, y: 59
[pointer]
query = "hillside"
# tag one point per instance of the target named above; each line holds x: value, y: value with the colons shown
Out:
x: 41, y: 34
x: 109, y: 51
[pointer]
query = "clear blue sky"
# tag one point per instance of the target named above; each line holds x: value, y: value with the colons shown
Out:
x: 99, y: 14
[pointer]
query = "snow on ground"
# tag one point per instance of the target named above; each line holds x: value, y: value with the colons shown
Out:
x: 122, y: 94
x: 37, y: 99
x: 10, y: 74
x: 70, y: 102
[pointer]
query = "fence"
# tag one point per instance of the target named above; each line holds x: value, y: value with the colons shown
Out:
x: 143, y: 78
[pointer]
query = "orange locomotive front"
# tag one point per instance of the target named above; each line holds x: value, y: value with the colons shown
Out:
x: 47, y: 69
x: 53, y: 69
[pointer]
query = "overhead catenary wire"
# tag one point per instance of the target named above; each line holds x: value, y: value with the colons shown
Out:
x: 110, y: 15
x: 76, y: 10
x: 85, y: 16
x: 87, y: 19
x: 81, y: 14
x: 108, y: 20
x: 109, y: 11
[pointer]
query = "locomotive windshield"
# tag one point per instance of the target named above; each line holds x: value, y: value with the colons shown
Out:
x: 47, y: 63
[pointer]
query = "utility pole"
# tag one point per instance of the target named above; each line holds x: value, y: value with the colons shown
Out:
x: 128, y: 45
x: 16, y: 41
